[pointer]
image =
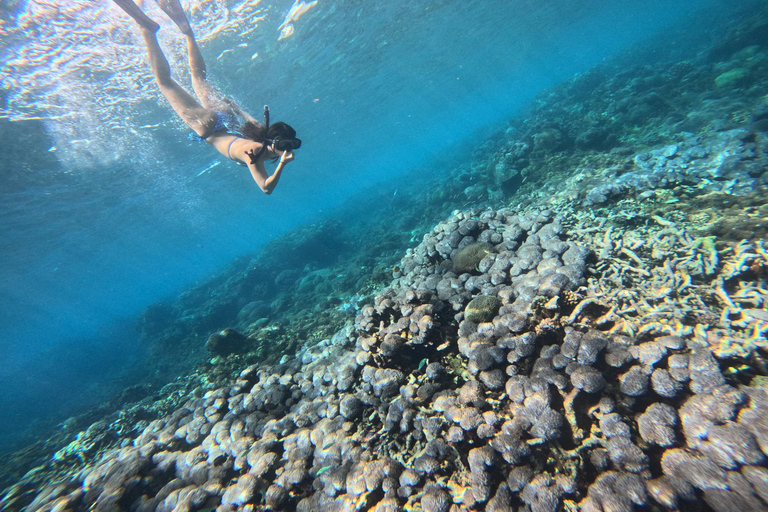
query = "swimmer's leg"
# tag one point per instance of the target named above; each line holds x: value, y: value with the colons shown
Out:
x: 133, y: 10
x: 175, y: 11
x: 200, y: 119
x: 207, y: 95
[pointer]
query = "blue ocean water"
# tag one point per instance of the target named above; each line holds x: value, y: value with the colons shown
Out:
x: 112, y: 208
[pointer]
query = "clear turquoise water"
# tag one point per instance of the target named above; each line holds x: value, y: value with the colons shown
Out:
x: 106, y: 206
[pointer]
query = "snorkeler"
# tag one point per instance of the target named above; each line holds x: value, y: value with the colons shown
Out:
x: 215, y: 118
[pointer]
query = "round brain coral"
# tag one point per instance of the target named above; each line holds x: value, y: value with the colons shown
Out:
x: 482, y: 309
x: 467, y: 259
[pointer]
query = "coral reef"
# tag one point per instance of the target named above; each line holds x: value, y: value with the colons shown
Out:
x: 415, y: 405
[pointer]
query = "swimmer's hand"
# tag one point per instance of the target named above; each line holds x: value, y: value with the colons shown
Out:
x: 286, y: 157
x: 253, y: 156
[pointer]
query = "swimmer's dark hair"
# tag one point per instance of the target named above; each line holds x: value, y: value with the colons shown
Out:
x: 258, y: 132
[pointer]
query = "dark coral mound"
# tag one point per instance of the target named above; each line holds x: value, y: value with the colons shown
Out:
x: 226, y: 342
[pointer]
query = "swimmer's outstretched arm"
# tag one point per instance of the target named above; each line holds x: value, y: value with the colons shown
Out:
x: 266, y: 182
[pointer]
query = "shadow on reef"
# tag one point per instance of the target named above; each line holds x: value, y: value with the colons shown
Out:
x: 302, y: 286
x: 580, y: 325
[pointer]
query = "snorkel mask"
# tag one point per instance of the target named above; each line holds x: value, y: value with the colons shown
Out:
x: 281, y: 144
x: 287, y: 144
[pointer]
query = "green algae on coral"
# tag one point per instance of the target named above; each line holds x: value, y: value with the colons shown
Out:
x: 467, y: 259
x: 482, y: 309
x: 732, y: 78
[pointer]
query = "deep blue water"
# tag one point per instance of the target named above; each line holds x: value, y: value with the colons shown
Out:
x: 117, y: 215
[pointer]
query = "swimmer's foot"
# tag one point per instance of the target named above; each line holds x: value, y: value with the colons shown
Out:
x: 133, y: 10
x: 175, y: 11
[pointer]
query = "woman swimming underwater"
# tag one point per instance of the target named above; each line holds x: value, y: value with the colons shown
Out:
x: 215, y: 118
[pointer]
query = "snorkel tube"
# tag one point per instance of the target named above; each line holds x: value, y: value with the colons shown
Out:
x: 281, y: 144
